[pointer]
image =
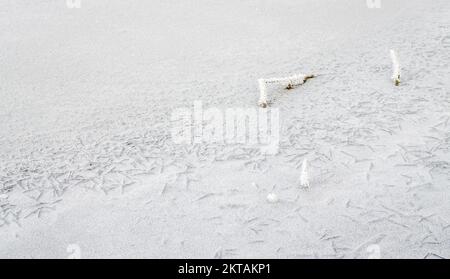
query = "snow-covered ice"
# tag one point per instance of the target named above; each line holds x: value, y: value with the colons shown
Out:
x: 88, y: 167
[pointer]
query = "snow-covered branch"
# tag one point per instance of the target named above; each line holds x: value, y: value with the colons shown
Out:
x: 290, y: 82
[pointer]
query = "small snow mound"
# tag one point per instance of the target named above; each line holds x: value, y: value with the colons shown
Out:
x: 272, y: 198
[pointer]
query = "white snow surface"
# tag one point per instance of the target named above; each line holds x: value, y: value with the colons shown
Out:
x: 86, y: 157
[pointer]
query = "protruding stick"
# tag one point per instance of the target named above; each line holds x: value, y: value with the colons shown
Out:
x: 262, y: 93
x: 304, y: 176
x: 395, y: 68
